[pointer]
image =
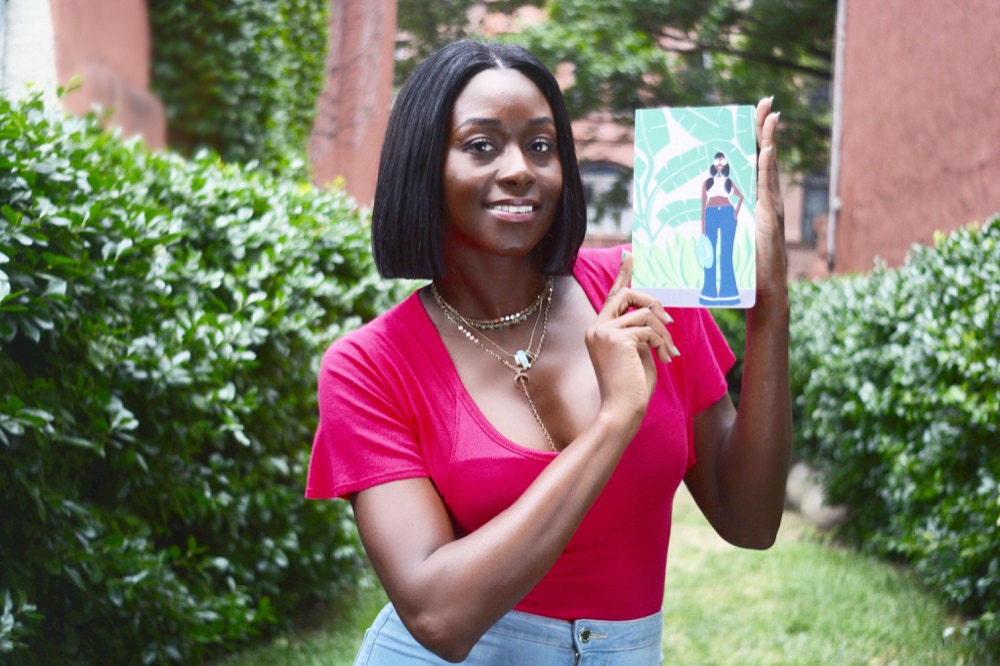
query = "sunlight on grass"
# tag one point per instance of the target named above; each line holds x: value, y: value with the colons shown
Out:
x: 804, y: 602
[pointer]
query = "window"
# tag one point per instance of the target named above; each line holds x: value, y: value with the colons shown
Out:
x: 607, y: 189
x: 815, y: 197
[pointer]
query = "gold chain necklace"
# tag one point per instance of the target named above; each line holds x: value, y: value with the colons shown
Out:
x: 503, y: 321
x: 524, y: 359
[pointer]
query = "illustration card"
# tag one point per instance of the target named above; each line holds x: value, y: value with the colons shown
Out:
x: 694, y: 192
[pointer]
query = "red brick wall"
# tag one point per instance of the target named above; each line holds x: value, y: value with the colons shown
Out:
x: 107, y: 44
x: 353, y: 109
x: 921, y: 130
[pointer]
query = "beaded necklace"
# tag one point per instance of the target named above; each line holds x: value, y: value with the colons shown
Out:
x: 503, y: 321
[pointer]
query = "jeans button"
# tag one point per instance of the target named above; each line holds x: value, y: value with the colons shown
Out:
x: 585, y: 635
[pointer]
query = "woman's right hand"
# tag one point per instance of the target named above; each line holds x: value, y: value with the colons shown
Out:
x: 628, y: 328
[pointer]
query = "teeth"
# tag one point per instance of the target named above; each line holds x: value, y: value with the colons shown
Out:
x: 513, y: 209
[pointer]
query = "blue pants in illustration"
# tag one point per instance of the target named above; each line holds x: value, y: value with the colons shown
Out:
x: 720, y: 278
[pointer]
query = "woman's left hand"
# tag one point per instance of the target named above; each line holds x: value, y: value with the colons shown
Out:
x: 770, y: 210
x: 743, y: 456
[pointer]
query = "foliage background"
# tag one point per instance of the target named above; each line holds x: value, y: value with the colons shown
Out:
x: 240, y: 77
x: 423, y: 27
x: 630, y: 54
x: 896, y: 381
x: 161, y: 323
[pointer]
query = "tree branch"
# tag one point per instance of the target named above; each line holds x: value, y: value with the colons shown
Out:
x: 749, y: 56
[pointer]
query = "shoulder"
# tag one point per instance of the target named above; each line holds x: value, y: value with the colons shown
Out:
x: 374, y: 343
x: 402, y: 317
x: 384, y: 369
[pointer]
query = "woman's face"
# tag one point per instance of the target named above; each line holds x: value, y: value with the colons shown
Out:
x: 502, y: 174
x: 719, y: 164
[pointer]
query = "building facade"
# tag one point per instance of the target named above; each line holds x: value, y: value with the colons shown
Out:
x: 99, y: 50
x: 914, y: 146
x: 916, y: 138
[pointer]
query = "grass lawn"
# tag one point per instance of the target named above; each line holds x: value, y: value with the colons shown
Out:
x: 803, y: 602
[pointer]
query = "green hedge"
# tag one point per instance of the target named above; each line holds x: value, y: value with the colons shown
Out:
x: 733, y: 324
x: 161, y: 323
x: 240, y: 77
x: 896, y: 377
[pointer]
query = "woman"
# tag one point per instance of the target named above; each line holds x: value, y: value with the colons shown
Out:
x: 511, y: 436
x: 718, y: 222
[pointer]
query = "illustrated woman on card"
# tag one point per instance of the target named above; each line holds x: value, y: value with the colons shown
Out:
x: 718, y: 223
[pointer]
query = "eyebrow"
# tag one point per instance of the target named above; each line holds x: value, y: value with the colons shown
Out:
x: 493, y: 122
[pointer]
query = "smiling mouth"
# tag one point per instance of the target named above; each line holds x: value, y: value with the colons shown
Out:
x: 517, y: 210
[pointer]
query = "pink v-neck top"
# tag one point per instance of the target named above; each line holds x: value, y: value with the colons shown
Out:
x: 392, y: 407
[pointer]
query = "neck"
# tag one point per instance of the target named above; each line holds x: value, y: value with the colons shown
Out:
x: 490, y: 289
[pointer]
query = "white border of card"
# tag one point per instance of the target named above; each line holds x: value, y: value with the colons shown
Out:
x: 694, y: 193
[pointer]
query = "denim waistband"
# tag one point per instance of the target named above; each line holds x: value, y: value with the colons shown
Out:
x: 584, y: 634
x: 523, y: 639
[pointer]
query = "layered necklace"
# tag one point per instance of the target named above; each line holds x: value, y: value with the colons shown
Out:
x: 522, y: 360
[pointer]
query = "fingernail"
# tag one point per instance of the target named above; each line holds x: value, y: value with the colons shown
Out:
x: 674, y: 351
x: 624, y: 254
x: 670, y: 319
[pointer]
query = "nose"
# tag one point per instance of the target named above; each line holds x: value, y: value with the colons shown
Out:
x: 515, y: 169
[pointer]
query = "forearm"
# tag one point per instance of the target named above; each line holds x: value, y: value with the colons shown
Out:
x: 451, y: 596
x: 449, y: 589
x: 739, y: 481
x: 753, y: 463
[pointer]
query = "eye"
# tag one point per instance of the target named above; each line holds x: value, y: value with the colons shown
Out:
x: 542, y: 146
x: 479, y: 146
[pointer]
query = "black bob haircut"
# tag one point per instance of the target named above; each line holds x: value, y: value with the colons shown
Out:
x: 408, y: 210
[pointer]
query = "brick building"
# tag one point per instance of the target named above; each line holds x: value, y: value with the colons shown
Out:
x: 914, y: 145
x: 916, y: 138
x: 105, y: 46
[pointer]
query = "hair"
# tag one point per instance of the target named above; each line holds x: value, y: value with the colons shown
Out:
x: 725, y: 172
x: 408, y: 209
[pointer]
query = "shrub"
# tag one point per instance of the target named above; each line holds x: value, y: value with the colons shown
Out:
x: 240, y: 77
x: 161, y: 324
x: 733, y: 324
x: 897, y: 394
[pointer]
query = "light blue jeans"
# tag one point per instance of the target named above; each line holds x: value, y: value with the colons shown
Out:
x: 522, y: 639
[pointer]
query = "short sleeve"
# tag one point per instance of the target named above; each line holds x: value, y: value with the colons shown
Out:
x: 366, y: 434
x: 715, y: 359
